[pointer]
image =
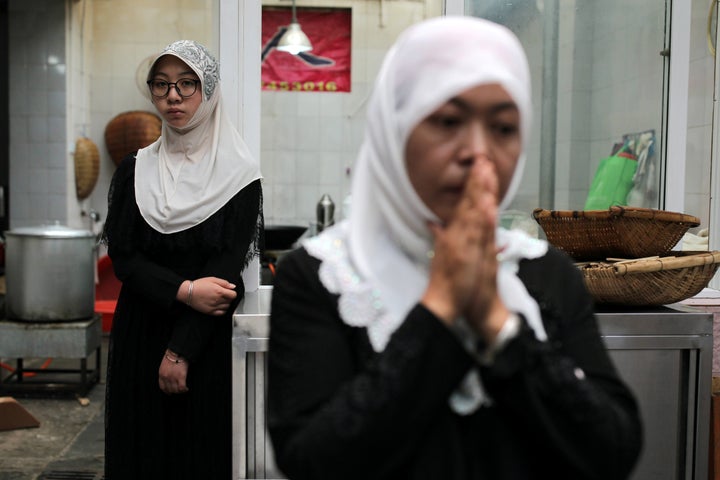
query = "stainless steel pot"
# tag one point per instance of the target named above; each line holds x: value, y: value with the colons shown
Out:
x: 49, y: 273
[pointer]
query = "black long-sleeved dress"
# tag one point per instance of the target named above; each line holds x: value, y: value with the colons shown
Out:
x: 148, y: 434
x: 338, y: 410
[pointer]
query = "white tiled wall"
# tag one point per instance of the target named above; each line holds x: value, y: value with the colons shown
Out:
x: 39, y: 158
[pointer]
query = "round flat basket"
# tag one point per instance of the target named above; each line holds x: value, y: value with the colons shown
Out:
x: 650, y: 281
x: 624, y: 232
x: 130, y: 131
x: 87, y: 166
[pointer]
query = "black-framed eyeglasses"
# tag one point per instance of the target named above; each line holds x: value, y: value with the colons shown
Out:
x: 185, y: 87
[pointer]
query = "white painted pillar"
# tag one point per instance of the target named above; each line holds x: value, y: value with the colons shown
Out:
x: 239, y: 29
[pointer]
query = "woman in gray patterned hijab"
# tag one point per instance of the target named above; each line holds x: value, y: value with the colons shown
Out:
x: 183, y: 222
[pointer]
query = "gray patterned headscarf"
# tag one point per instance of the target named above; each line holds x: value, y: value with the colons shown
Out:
x: 190, y: 172
x: 198, y: 58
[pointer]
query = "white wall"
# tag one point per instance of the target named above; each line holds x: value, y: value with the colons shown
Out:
x: 39, y: 157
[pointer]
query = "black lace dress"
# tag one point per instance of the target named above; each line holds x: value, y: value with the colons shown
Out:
x: 148, y: 434
x: 338, y: 410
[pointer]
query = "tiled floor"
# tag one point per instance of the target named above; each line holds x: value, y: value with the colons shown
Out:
x: 68, y: 444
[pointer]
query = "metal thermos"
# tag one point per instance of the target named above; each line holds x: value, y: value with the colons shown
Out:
x: 325, y: 212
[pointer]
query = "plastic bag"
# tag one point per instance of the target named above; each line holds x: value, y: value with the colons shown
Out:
x: 612, y: 182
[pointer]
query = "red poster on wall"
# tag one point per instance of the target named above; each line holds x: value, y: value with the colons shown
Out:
x: 325, y: 68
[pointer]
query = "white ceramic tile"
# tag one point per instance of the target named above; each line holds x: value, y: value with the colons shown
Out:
x: 268, y: 203
x: 56, y: 208
x: 38, y: 129
x: 18, y: 130
x: 123, y: 59
x: 699, y: 206
x: 697, y: 167
x: 284, y: 202
x: 331, y: 169
x: 333, y: 133
x: 700, y: 92
x: 306, y: 198
x: 38, y: 181
x: 56, y: 103
x: 37, y: 155
x: 285, y: 166
x: 267, y: 165
x: 57, y: 157
x: 57, y: 185
x: 57, y: 77
x: 57, y: 128
x: 19, y: 177
x: 267, y: 104
x: 306, y: 168
x: 284, y: 132
x: 37, y: 103
x: 374, y: 60
x: 308, y: 134
x: 37, y: 77
x: 308, y: 105
x: 355, y: 103
x: 331, y: 104
x: 20, y: 208
x: 18, y: 77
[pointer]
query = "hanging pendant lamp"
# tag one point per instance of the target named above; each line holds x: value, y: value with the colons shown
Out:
x: 294, y: 39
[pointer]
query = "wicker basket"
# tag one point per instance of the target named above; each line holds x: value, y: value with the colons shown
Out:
x: 650, y: 281
x: 130, y: 131
x: 624, y: 232
x: 87, y: 166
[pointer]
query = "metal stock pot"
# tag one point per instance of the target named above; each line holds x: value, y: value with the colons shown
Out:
x: 49, y: 273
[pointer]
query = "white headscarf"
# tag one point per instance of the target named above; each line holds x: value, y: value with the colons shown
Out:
x: 377, y: 260
x: 191, y: 172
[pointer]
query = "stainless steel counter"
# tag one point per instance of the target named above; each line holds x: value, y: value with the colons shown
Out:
x: 252, y: 452
x: 665, y: 355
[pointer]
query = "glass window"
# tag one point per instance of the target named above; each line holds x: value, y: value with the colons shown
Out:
x: 599, y: 73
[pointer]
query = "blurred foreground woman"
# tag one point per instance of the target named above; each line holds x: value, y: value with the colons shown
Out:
x: 419, y: 340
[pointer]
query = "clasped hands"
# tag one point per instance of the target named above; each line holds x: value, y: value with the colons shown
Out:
x: 463, y: 271
x: 209, y: 295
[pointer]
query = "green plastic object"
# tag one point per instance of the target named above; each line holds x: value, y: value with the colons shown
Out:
x: 612, y: 182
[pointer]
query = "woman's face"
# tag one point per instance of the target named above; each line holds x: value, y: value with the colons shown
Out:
x: 481, y: 122
x: 175, y: 109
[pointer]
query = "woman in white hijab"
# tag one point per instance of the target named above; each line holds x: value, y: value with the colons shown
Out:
x: 183, y: 222
x: 418, y: 340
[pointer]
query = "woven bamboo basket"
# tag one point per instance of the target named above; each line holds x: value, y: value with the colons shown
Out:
x: 130, y: 131
x: 650, y: 281
x: 87, y: 166
x: 625, y: 232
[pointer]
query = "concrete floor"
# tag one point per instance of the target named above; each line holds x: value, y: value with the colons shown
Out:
x: 68, y: 444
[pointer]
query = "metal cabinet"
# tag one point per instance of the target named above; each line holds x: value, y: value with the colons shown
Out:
x: 252, y: 451
x: 665, y: 355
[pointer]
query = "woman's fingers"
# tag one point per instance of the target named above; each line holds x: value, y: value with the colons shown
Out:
x: 464, y: 264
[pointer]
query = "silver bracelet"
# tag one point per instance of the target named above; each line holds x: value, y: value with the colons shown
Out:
x: 190, y: 290
x: 173, y: 360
